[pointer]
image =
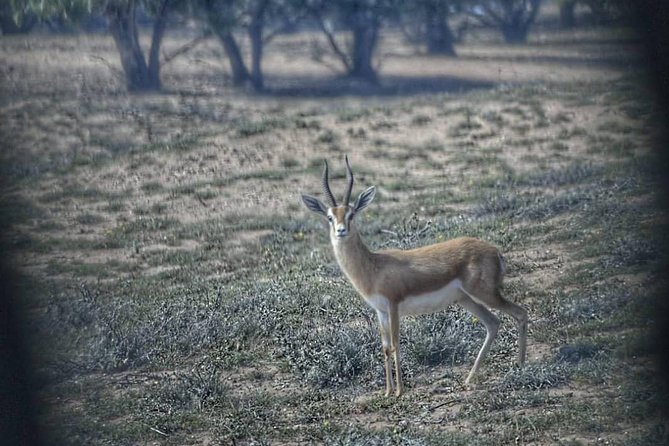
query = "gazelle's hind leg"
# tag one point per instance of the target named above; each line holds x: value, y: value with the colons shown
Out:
x: 520, y: 315
x: 491, y: 324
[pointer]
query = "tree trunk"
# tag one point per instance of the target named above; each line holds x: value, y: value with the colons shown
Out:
x: 567, y: 17
x: 439, y: 37
x: 156, y: 40
x: 518, y: 21
x: 219, y: 16
x: 515, y: 30
x: 123, y: 28
x: 240, y: 75
x: 515, y: 33
x: 256, y: 58
x: 255, y: 31
x: 365, y: 36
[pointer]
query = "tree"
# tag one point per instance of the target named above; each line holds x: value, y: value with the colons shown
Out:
x: 257, y: 12
x: 438, y: 35
x: 428, y: 23
x: 121, y: 16
x: 362, y: 18
x: 252, y: 16
x: 139, y: 75
x: 567, y: 16
x: 513, y: 17
x: 222, y: 17
x: 601, y: 11
x: 608, y: 11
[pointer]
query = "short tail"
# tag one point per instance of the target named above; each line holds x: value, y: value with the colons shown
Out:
x: 502, y: 265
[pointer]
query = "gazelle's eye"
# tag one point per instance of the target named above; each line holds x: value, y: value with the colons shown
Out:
x: 330, y: 218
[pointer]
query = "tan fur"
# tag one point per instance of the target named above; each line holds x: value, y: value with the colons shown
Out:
x: 397, y: 274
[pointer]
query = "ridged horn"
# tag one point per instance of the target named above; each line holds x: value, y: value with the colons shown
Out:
x: 326, y: 186
x: 349, y: 187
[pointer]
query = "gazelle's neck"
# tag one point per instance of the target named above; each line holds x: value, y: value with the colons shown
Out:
x: 355, y: 260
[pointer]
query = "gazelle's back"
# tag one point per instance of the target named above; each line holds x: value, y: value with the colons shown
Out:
x: 446, y: 257
x: 426, y: 269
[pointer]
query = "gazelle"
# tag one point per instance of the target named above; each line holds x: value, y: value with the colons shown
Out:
x: 465, y: 271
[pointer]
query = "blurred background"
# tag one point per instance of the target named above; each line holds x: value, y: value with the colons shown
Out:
x: 288, y: 47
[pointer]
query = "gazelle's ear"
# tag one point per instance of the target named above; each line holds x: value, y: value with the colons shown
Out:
x: 364, y: 199
x: 314, y: 204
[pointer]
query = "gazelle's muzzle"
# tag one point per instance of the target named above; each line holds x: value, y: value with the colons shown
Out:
x: 340, y: 219
x: 341, y: 231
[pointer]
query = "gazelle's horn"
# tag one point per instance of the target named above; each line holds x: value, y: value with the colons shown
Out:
x: 326, y: 186
x: 349, y: 188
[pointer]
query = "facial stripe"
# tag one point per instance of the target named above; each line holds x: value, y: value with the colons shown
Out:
x: 341, y: 216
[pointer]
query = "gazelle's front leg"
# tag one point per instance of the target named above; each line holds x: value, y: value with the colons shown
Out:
x: 395, y: 346
x: 384, y: 323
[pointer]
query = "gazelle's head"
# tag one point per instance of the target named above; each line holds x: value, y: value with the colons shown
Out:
x: 339, y: 216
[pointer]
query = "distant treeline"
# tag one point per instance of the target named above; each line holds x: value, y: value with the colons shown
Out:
x: 436, y: 24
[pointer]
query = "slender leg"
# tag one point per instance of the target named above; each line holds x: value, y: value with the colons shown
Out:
x: 520, y: 315
x: 491, y: 325
x: 395, y: 346
x: 384, y: 323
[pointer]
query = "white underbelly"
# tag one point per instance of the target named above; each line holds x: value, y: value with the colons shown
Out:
x: 421, y: 303
x: 433, y: 301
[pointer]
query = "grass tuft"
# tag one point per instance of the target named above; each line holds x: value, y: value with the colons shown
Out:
x: 535, y: 376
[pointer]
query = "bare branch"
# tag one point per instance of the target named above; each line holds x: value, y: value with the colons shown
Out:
x: 414, y: 39
x: 186, y: 47
x: 331, y: 40
x: 481, y: 18
x: 317, y: 56
x: 156, y: 430
x: 282, y: 28
x: 535, y: 5
x: 491, y: 12
x: 115, y: 71
x: 446, y: 403
x: 201, y: 200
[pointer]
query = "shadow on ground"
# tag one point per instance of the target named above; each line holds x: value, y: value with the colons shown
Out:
x: 333, y: 87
